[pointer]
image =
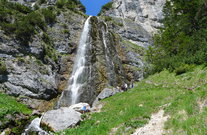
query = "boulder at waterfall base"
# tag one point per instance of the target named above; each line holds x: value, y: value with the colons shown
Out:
x: 107, y: 92
x: 60, y: 119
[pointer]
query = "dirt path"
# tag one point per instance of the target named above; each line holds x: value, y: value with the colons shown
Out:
x: 155, y: 125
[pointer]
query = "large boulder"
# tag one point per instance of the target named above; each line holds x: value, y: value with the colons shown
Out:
x: 107, y: 92
x: 60, y: 119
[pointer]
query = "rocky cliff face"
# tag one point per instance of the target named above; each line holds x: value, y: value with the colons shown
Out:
x: 140, y: 19
x: 146, y: 13
x: 40, y: 69
x: 103, y: 67
x: 135, y: 21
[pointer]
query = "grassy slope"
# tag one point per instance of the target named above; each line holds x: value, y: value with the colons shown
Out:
x: 9, y: 105
x: 132, y: 109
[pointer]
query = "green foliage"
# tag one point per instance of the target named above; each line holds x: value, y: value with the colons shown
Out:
x: 50, y: 52
x: 179, y: 96
x: 183, y: 69
x: 41, y: 2
x: 65, y: 31
x: 3, y: 69
x: 106, y: 7
x: 182, y: 40
x: 22, y: 22
x: 49, y: 15
x: 9, y: 105
x: 71, y: 4
x: 108, y: 18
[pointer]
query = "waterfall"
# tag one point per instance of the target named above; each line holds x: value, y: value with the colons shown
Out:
x: 34, y: 126
x: 79, y: 63
x: 71, y: 93
x: 108, y: 57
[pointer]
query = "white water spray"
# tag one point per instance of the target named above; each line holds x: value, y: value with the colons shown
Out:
x: 79, y: 62
x: 79, y: 65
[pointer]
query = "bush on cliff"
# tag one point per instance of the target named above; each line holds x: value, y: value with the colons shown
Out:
x: 3, y: 69
x: 106, y: 7
x: 23, y: 22
x: 71, y: 4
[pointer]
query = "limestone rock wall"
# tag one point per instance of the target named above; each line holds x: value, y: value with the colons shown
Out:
x: 40, y: 70
x: 147, y: 13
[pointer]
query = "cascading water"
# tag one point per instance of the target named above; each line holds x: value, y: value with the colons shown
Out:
x: 79, y: 63
x: 109, y: 61
x: 34, y: 126
x: 71, y: 94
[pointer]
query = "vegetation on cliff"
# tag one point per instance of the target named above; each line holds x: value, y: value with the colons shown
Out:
x: 22, y: 21
x: 183, y: 39
x: 106, y: 7
x: 74, y: 5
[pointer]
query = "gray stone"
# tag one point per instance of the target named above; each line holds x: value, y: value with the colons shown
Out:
x: 60, y: 119
x: 107, y: 92
x: 147, y: 13
x: 28, y: 78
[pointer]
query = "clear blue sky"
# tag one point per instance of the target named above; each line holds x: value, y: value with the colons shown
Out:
x: 93, y: 7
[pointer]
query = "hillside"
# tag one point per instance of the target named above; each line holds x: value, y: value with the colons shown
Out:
x: 182, y: 97
x: 65, y: 72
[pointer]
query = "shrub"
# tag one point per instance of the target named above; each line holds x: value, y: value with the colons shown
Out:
x: 61, y: 3
x: 35, y: 19
x: 41, y: 1
x: 65, y: 31
x: 46, y: 38
x: 183, y: 69
x: 49, y: 15
x: 24, y: 30
x: 108, y: 18
x: 3, y: 69
x: 107, y: 6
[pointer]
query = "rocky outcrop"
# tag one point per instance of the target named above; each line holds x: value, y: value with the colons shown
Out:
x: 135, y: 21
x: 60, y: 119
x: 29, y: 78
x: 107, y: 92
x: 66, y: 32
x: 102, y: 68
x: 147, y: 13
x: 39, y: 70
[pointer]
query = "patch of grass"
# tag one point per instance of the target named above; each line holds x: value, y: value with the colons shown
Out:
x: 9, y: 109
x: 8, y: 105
x: 132, y: 109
